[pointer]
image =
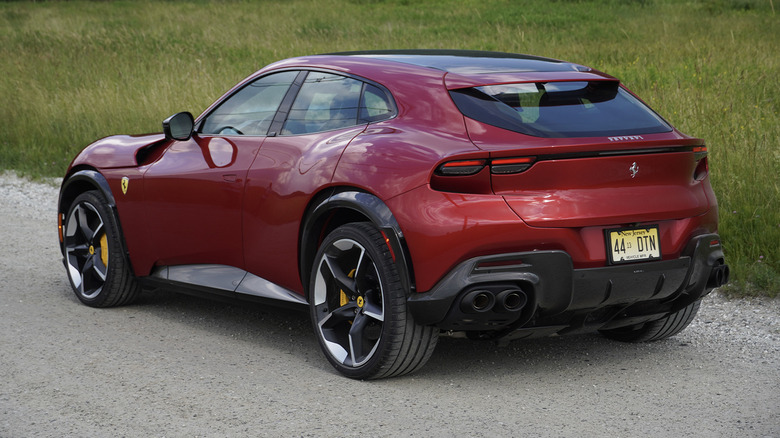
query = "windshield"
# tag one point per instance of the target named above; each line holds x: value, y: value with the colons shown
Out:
x: 560, y: 109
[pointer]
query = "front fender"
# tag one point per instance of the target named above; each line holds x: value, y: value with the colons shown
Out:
x: 116, y: 151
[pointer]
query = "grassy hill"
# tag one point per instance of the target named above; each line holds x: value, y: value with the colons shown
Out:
x: 76, y: 71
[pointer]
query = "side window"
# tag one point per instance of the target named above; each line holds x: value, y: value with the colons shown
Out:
x: 375, y: 105
x: 251, y: 109
x: 324, y: 102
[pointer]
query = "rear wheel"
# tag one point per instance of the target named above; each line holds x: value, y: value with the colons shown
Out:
x: 358, y: 307
x: 97, y: 268
x: 663, y: 328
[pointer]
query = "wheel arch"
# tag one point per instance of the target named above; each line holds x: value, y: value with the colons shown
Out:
x: 338, y: 206
x: 80, y: 181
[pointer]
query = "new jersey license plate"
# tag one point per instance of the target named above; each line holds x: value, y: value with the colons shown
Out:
x: 627, y: 245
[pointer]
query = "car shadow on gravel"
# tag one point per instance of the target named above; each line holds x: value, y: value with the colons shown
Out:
x: 288, y: 331
x: 569, y: 355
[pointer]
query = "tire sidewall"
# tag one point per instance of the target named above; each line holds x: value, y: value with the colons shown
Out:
x: 97, y: 200
x: 393, y: 299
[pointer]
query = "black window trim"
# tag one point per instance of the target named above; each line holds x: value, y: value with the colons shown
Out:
x: 289, y: 98
x: 284, y: 107
x: 276, y: 129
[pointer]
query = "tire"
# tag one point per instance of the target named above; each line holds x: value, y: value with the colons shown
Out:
x: 663, y: 328
x: 94, y: 255
x: 358, y: 307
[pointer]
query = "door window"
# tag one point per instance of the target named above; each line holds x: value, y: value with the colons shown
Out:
x: 324, y: 102
x: 250, y: 110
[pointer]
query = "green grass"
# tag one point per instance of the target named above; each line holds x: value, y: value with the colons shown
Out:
x: 76, y: 71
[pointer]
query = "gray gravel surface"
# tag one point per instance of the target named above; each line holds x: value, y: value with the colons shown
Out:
x: 177, y: 366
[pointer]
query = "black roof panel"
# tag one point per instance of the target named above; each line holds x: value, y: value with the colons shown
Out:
x: 470, y: 61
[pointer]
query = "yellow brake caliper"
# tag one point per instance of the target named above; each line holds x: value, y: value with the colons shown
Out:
x: 343, y: 298
x: 104, y: 249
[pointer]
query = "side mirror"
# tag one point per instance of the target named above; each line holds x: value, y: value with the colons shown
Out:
x: 178, y: 126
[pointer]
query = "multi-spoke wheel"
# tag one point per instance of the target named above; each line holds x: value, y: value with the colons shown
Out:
x: 97, y: 269
x: 358, y: 307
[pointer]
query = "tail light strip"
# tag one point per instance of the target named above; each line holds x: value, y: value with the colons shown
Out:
x: 461, y: 167
x: 497, y: 166
x: 504, y: 166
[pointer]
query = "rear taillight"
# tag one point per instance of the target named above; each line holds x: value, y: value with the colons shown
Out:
x: 505, y: 166
x: 461, y: 167
x: 473, y: 175
x: 702, y: 165
x: 462, y: 178
x: 500, y: 166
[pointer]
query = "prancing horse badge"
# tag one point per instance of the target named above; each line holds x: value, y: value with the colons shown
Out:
x: 634, y: 169
x: 125, y: 183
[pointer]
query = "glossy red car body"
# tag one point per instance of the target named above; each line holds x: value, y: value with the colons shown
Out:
x: 237, y: 204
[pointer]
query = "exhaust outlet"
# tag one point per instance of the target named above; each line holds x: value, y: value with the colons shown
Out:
x: 511, y: 300
x: 477, y: 301
x: 719, y: 276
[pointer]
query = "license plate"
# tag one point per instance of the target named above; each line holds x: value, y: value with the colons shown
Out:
x: 627, y: 245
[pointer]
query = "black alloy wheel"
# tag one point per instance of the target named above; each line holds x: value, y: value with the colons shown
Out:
x: 657, y: 330
x: 98, y: 272
x: 358, y: 307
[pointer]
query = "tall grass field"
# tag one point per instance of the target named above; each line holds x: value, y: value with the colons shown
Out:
x: 71, y: 72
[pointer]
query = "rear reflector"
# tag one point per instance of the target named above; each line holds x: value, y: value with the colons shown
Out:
x: 498, y: 264
x: 59, y: 227
x: 389, y: 247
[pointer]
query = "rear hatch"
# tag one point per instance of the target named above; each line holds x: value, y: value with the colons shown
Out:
x: 580, y: 153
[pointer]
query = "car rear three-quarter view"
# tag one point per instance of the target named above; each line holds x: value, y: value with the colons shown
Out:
x: 399, y: 194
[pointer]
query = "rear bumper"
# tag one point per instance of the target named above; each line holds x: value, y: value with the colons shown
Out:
x: 555, y: 298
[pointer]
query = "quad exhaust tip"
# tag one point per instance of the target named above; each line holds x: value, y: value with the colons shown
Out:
x: 719, y: 276
x: 479, y: 301
x: 512, y: 300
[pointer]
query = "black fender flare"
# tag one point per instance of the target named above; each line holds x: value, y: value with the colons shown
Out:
x: 320, y: 212
x: 88, y: 176
x: 79, y: 182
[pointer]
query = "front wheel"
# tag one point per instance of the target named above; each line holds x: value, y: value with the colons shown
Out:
x: 358, y: 307
x: 94, y: 256
x: 663, y: 328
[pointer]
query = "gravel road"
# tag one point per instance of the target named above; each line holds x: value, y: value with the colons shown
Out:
x: 177, y: 366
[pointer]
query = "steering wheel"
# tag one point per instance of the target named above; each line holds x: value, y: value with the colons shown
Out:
x: 229, y: 130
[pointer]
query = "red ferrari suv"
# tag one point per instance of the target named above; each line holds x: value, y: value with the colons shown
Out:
x: 399, y: 194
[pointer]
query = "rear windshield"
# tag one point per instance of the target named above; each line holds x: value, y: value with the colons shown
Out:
x: 560, y: 109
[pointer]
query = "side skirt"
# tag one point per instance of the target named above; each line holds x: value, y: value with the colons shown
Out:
x: 221, y: 280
